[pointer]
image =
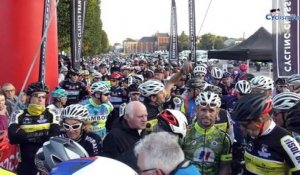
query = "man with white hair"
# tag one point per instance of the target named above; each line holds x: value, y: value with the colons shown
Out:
x: 126, y: 132
x: 160, y: 153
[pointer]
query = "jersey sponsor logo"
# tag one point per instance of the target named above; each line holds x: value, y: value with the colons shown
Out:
x: 93, y: 142
x: 27, y: 120
x: 249, y: 147
x: 264, y: 151
x: 97, y: 118
x: 42, y: 119
x: 292, y: 148
x: 214, y: 143
x: 204, y: 154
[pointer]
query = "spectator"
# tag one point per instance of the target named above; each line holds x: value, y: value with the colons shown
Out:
x: 3, y: 113
x: 120, y: 141
x: 160, y: 153
x: 12, y: 101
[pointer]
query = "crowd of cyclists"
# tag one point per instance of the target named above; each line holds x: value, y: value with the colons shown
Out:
x: 138, y: 115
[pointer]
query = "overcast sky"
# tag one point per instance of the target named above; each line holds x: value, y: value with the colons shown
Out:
x: 137, y: 18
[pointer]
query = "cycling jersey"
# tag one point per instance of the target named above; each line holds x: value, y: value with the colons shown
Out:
x: 225, y: 123
x: 97, y: 116
x: 56, y: 110
x: 90, y: 142
x: 206, y: 148
x: 274, y: 152
x: 118, y: 96
x: 76, y: 91
x: 30, y: 132
x: 190, y: 109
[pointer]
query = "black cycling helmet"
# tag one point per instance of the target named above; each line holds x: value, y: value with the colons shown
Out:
x: 293, y: 120
x: 133, y: 88
x: 57, y: 150
x: 196, y: 83
x: 37, y: 87
x: 251, y: 106
x: 226, y: 74
x: 73, y: 71
x: 281, y: 81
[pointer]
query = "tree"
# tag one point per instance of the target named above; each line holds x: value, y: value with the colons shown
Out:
x: 183, y: 42
x: 95, y: 40
x: 209, y: 41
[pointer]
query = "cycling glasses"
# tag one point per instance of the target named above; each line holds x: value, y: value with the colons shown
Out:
x: 205, y: 104
x: 74, y: 127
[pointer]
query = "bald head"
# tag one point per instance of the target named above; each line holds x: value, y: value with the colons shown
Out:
x: 132, y: 107
x: 9, y: 90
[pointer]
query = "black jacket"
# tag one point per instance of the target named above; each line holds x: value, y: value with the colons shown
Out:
x: 120, y: 141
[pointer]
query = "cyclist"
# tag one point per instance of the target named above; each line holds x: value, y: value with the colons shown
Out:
x: 217, y: 75
x: 270, y: 149
x: 33, y: 126
x: 208, y: 147
x: 59, y: 101
x: 262, y: 84
x: 281, y: 85
x: 199, y: 72
x: 294, y: 83
x: 99, y: 108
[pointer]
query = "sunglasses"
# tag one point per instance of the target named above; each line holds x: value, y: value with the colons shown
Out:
x: 205, y: 104
x: 74, y: 127
x: 39, y: 96
x: 135, y: 94
x: 106, y: 94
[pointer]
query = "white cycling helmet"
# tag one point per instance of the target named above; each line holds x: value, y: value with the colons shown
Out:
x: 96, y: 74
x: 243, y: 87
x: 75, y: 111
x: 285, y: 100
x: 208, y: 99
x: 151, y: 87
x: 262, y: 82
x: 87, y: 166
x: 217, y: 73
x: 199, y: 69
x: 173, y: 121
x: 99, y: 86
x: 294, y: 79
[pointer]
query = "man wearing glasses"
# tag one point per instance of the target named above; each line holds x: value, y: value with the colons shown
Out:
x: 208, y: 147
x: 73, y: 118
x: 33, y: 126
x: 270, y: 149
x: 12, y: 101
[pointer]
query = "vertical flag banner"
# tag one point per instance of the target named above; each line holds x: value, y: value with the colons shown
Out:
x: 77, y: 20
x: 192, y: 29
x: 46, y: 18
x: 173, y: 56
x: 285, y: 20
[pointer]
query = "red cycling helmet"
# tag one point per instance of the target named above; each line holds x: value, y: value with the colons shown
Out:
x: 115, y: 75
x: 243, y: 67
x: 4, y: 142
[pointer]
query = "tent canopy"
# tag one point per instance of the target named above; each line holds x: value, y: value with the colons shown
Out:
x: 258, y: 47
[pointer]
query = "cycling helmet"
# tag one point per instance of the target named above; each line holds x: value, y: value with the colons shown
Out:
x: 59, y: 93
x: 76, y: 112
x: 208, y: 98
x: 281, y: 81
x: 116, y: 75
x: 85, y: 72
x: 4, y: 142
x: 199, y: 69
x: 293, y: 120
x: 138, y: 79
x: 203, y: 65
x: 251, y: 106
x: 262, y: 82
x: 196, y: 83
x: 86, y: 166
x: 74, y: 71
x: 285, y: 100
x: 96, y: 74
x: 243, y: 67
x: 37, y: 87
x: 226, y: 75
x: 99, y: 86
x: 133, y: 88
x: 63, y: 69
x: 243, y: 87
x: 214, y: 89
x: 57, y: 150
x: 151, y: 87
x: 216, y: 73
x: 173, y: 121
x: 294, y: 79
